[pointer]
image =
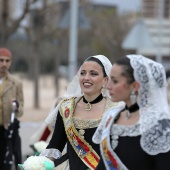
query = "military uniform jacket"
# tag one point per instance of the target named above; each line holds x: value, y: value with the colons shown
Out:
x: 12, y: 90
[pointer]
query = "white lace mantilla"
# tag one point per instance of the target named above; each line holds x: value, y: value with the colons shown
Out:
x: 152, y: 100
x: 51, y: 153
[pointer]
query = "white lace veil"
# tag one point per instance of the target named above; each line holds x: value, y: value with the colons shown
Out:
x: 74, y: 90
x: 152, y: 100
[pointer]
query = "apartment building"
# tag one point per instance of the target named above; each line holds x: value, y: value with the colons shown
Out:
x: 150, y: 8
x: 150, y: 35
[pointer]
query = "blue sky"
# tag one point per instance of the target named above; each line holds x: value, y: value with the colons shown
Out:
x: 123, y: 5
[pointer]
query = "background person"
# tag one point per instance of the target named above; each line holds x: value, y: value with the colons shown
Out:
x: 10, y: 91
x: 136, y: 134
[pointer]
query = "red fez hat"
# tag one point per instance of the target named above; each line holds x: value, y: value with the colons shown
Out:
x: 5, y: 52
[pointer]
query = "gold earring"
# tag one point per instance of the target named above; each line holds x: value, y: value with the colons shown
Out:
x: 103, y: 91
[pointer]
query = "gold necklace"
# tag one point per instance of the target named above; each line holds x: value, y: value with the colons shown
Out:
x: 88, y: 105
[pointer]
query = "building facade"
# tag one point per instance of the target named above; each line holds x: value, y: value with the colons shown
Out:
x: 150, y: 8
x: 150, y: 35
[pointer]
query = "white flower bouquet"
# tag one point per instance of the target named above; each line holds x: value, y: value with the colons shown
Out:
x: 37, y: 163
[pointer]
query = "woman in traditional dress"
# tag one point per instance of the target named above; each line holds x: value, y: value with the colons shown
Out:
x: 76, y: 118
x: 135, y: 135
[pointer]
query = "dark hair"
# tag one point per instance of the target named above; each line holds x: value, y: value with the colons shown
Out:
x: 99, y: 62
x: 127, y: 68
x: 167, y: 74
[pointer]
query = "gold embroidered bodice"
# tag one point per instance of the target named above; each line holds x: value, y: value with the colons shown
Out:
x: 85, y: 123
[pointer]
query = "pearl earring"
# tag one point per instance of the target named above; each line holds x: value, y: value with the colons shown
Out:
x: 103, y: 91
x: 133, y: 97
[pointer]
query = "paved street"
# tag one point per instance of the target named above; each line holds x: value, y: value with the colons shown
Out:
x: 26, y: 131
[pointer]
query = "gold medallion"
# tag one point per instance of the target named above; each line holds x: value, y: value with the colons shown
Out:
x: 88, y: 106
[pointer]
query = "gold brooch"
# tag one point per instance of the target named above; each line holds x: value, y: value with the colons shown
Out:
x: 88, y: 106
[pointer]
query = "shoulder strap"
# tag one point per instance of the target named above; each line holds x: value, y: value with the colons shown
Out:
x: 84, y: 151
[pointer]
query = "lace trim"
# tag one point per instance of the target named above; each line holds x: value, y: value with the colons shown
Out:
x: 85, y: 124
x: 51, y: 153
x: 122, y: 130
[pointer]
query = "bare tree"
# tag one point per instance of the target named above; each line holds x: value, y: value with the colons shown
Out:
x: 9, y: 25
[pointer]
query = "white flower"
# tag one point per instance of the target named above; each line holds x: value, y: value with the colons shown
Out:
x: 40, y: 146
x: 36, y: 163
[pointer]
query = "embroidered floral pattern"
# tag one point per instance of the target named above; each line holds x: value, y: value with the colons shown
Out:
x: 85, y: 124
x: 157, y: 138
